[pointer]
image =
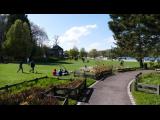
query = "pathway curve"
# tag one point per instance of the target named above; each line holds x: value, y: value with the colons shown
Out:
x: 113, y: 90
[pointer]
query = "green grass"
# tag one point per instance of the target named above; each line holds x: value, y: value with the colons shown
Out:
x: 9, y: 75
x: 142, y: 98
x: 72, y: 102
x: 151, y: 78
x: 45, y: 83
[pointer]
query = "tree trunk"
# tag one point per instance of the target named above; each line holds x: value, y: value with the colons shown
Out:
x: 141, y: 63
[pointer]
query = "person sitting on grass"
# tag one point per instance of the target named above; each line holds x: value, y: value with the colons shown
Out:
x: 54, y: 72
x: 60, y: 72
x: 20, y: 67
x: 65, y: 72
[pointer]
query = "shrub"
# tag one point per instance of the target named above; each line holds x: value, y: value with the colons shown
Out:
x: 101, y: 70
x: 151, y: 64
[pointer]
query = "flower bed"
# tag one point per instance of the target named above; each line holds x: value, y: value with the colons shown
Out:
x: 33, y: 96
x: 72, y: 90
x: 101, y: 71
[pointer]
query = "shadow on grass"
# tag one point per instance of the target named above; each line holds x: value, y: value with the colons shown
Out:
x: 26, y: 73
x: 54, y: 63
x: 86, y: 95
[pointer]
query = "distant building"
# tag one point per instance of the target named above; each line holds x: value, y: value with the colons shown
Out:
x: 56, y: 51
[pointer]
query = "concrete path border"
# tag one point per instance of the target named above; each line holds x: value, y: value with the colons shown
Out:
x: 130, y: 93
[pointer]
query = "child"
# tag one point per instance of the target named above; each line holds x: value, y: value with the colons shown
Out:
x: 54, y: 72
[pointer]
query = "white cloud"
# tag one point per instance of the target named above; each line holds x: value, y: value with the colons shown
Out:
x: 110, y: 42
x: 107, y: 43
x: 72, y: 36
x: 95, y: 45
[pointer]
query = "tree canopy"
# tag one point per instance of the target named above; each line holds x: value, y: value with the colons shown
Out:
x: 136, y: 34
x: 18, y: 42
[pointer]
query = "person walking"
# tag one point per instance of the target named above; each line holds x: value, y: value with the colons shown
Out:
x: 32, y: 66
x: 20, y: 67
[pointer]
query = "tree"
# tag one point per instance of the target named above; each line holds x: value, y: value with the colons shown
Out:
x: 135, y: 34
x: 74, y: 52
x: 93, y: 53
x: 3, y: 23
x: 39, y: 36
x: 13, y: 17
x: 56, y: 41
x: 24, y: 18
x: 83, y: 53
x: 18, y: 42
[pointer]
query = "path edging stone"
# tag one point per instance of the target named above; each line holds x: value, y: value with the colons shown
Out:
x: 130, y: 93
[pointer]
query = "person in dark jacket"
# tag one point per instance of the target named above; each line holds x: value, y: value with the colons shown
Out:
x: 20, y: 67
x: 32, y: 66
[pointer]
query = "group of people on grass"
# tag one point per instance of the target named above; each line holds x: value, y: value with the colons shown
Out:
x: 32, y: 64
x: 60, y: 72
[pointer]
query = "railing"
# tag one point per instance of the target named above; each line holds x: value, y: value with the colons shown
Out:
x: 154, y: 89
x: 6, y: 87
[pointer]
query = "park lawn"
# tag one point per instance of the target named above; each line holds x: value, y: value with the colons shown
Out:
x: 151, y: 78
x: 46, y: 83
x: 9, y: 75
x: 142, y: 98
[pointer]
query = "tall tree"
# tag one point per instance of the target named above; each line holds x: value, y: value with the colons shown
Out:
x: 24, y: 18
x: 56, y: 40
x: 18, y: 42
x: 93, y: 53
x: 74, y: 52
x: 39, y: 36
x: 134, y: 33
x: 13, y: 17
x: 83, y: 52
x: 3, y: 24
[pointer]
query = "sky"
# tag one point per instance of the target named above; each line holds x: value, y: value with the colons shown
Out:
x: 89, y: 31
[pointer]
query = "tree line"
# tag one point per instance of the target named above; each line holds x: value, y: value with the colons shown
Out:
x: 74, y: 53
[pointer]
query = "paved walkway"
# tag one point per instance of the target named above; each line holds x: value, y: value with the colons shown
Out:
x: 113, y: 90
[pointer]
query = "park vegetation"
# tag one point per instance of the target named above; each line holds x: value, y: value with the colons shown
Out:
x: 136, y: 35
x: 145, y: 98
x: 20, y: 39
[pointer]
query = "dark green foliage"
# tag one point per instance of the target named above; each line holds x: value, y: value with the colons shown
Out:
x: 136, y: 34
x: 18, y: 42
